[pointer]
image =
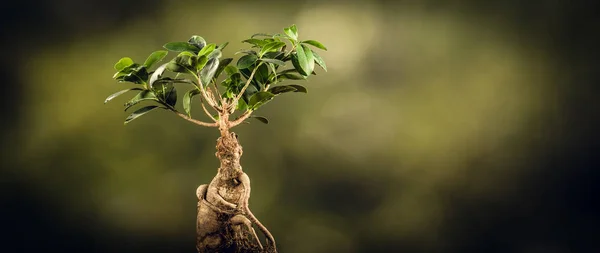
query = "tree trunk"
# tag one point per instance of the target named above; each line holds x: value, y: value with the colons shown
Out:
x: 224, y: 222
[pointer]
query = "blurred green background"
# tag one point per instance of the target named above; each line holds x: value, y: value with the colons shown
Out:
x: 441, y: 126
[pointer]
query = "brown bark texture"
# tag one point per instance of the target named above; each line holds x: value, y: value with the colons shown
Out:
x: 224, y: 221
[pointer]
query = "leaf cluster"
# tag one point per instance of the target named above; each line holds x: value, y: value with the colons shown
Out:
x: 244, y: 86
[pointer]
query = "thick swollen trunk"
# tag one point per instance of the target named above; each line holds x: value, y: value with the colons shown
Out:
x: 224, y: 221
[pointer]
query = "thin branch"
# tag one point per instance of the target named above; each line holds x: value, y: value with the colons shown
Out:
x: 240, y: 119
x: 195, y: 121
x: 247, y: 84
x: 219, y: 94
x: 208, y: 113
x: 210, y: 102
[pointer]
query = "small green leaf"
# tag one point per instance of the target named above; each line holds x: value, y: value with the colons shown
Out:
x: 315, y: 44
x: 281, y: 89
x: 155, y: 57
x: 320, y: 61
x: 261, y: 119
x: 261, y: 34
x: 310, y: 58
x: 171, y: 97
x: 142, y: 96
x: 134, y: 73
x: 277, y: 55
x: 181, y: 47
x: 246, y: 51
x: 246, y: 61
x: 116, y: 94
x: 291, y: 76
x: 167, y: 80
x: 292, y: 32
x: 187, y: 101
x: 207, y: 49
x: 222, y: 64
x: 261, y: 76
x: 197, y: 41
x: 271, y: 47
x: 230, y: 70
x: 140, y: 112
x: 303, y: 60
x: 123, y: 63
x: 260, y: 98
x: 202, y: 60
x: 157, y: 73
x: 222, y: 46
x: 242, y: 106
x: 256, y: 42
x: 208, y: 71
x: 274, y: 61
x: 215, y: 54
x: 299, y: 88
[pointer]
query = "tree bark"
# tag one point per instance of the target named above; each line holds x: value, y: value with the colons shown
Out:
x: 224, y: 221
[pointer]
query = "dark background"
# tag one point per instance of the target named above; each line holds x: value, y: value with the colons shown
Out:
x: 340, y: 186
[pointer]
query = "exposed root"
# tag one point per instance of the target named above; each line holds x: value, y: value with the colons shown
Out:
x: 225, y: 221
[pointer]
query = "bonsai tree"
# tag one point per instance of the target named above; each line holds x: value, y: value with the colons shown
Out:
x: 228, y: 94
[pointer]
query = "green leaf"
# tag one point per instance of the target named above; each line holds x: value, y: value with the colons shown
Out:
x: 260, y: 118
x: 294, y: 30
x: 173, y: 81
x: 181, y: 47
x: 187, y: 101
x: 171, y: 97
x: 222, y: 46
x: 230, y: 70
x: 320, y: 61
x: 202, y: 60
x: 246, y: 51
x: 310, y: 58
x: 261, y: 34
x: 142, y: 96
x: 261, y: 76
x: 116, y: 94
x: 251, y: 90
x: 299, y: 88
x: 277, y: 55
x: 291, y: 31
x: 281, y: 89
x: 246, y: 61
x: 123, y: 63
x: 208, y: 71
x: 157, y: 73
x: 291, y: 76
x: 274, y: 61
x: 215, y: 54
x: 271, y: 47
x: 242, y: 105
x: 207, y: 49
x: 256, y: 42
x: 260, y: 98
x: 303, y: 60
x: 197, y: 41
x: 222, y: 64
x: 140, y: 112
x: 315, y: 44
x: 155, y: 57
x: 134, y: 73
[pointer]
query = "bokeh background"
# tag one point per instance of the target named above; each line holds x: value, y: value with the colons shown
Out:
x: 441, y: 126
